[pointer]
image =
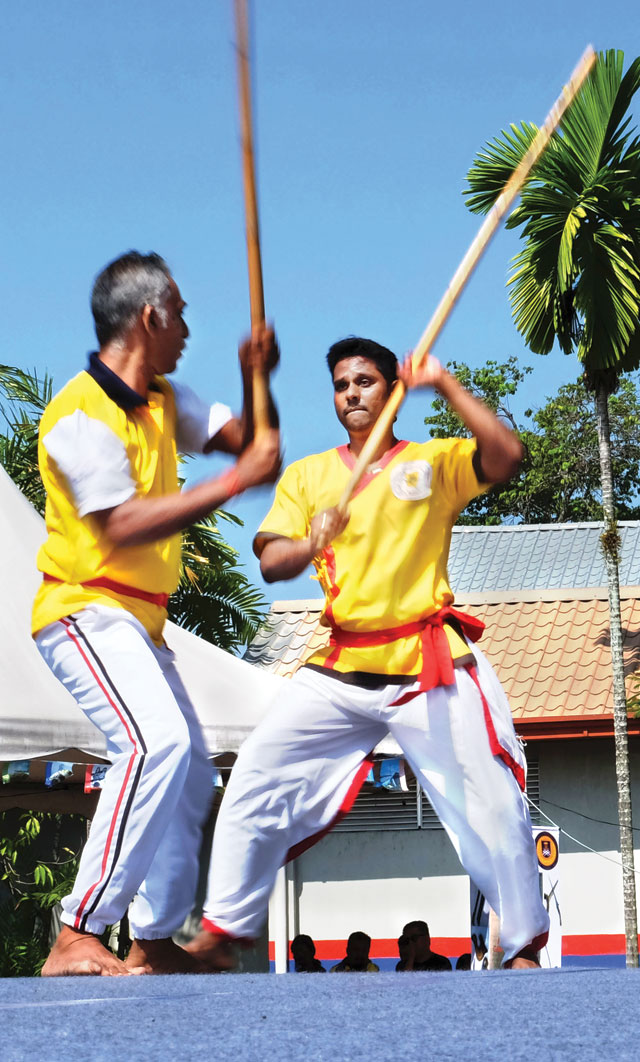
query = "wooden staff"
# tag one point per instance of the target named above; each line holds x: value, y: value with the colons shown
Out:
x: 252, y: 228
x: 467, y: 266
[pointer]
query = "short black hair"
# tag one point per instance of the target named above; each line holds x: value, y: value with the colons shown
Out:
x: 124, y: 288
x: 357, y: 347
x: 422, y: 926
x: 359, y: 935
x: 305, y: 940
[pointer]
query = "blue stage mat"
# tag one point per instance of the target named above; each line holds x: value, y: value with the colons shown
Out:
x: 580, y: 1014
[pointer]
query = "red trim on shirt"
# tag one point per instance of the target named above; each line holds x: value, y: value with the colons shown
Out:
x: 349, y: 460
x: 332, y: 592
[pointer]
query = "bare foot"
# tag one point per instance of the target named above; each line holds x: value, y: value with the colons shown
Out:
x: 520, y: 963
x: 161, y: 957
x: 81, y: 954
x: 215, y: 951
x: 527, y: 959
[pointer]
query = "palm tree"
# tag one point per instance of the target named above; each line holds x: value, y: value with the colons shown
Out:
x: 215, y: 599
x: 577, y: 281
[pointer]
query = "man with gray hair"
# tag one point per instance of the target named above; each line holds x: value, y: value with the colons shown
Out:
x: 107, y: 453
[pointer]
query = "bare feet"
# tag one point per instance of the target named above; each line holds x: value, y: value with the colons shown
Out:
x: 161, y: 957
x: 81, y: 954
x: 215, y: 951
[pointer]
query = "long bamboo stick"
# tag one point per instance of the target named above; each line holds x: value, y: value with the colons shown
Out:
x: 252, y: 228
x: 467, y: 266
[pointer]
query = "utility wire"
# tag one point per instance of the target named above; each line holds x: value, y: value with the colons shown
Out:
x: 617, y: 863
x: 572, y: 811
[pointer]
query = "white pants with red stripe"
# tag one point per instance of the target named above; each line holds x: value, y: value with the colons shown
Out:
x: 303, y: 764
x: 145, y: 837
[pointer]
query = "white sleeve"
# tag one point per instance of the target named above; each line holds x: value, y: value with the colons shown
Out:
x: 197, y: 422
x: 93, y: 460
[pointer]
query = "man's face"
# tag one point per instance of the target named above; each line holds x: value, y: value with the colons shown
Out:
x: 169, y: 339
x: 358, y: 951
x: 416, y: 935
x: 302, y: 953
x: 360, y: 392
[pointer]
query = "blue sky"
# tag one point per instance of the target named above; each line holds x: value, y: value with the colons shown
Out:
x: 119, y: 129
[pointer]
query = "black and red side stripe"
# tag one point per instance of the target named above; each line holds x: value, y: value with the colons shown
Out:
x: 130, y: 784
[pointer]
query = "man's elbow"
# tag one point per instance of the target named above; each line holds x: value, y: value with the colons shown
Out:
x: 503, y: 463
x: 511, y: 460
x: 268, y: 572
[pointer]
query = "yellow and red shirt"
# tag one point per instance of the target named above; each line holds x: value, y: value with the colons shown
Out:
x: 389, y: 566
x: 101, y: 443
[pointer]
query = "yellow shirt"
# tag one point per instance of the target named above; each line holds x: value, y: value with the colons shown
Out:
x: 389, y: 565
x: 110, y: 447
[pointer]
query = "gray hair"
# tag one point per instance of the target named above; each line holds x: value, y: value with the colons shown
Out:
x: 124, y: 288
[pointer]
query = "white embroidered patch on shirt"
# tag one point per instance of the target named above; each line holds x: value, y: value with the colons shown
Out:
x: 411, y: 480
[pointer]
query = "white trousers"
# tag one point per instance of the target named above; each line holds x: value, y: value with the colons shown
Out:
x: 303, y: 762
x: 145, y: 837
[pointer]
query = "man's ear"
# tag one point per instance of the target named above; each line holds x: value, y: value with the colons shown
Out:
x: 149, y: 318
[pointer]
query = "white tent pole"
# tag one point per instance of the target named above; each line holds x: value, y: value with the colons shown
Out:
x: 280, y: 912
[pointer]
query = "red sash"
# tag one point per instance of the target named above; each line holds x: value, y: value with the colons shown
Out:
x: 119, y: 588
x: 437, y: 665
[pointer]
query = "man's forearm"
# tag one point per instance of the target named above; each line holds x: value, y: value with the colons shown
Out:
x: 499, y: 448
x: 141, y: 520
x: 247, y: 415
x: 284, y: 558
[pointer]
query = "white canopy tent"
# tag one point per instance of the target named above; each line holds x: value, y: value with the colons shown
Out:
x: 39, y: 719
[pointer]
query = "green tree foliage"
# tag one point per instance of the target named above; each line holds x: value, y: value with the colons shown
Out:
x: 577, y: 278
x: 215, y: 599
x: 577, y: 281
x: 30, y: 887
x: 560, y: 476
x: 23, y: 397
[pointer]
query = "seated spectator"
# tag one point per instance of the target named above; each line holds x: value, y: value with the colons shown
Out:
x: 304, y: 955
x: 464, y: 961
x: 419, y: 953
x: 357, y: 958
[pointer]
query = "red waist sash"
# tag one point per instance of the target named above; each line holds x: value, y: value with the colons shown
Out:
x: 437, y: 664
x: 119, y: 588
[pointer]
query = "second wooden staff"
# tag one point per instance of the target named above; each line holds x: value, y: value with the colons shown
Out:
x: 466, y: 267
x: 256, y: 293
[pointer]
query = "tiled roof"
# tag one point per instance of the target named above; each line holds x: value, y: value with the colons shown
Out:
x: 552, y: 657
x: 537, y: 556
x: 542, y: 593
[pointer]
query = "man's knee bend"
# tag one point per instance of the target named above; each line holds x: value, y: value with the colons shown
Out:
x: 171, y: 756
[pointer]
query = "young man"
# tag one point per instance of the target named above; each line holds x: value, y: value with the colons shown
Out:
x: 400, y: 660
x: 417, y: 953
x: 304, y: 955
x: 114, y: 515
x: 357, y: 958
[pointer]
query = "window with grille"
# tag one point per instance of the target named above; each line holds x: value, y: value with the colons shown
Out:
x: 376, y: 808
x: 533, y: 785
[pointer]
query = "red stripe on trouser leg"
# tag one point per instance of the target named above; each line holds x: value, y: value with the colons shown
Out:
x: 125, y: 783
x: 345, y: 808
x: 211, y: 927
x: 496, y: 748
